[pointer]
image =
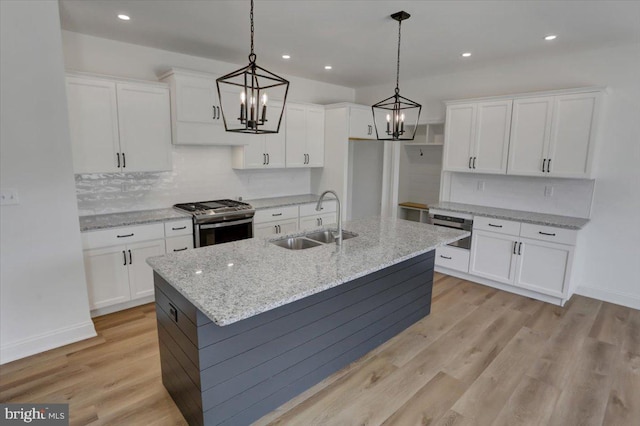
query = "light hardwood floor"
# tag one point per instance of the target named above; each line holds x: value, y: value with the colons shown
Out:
x: 483, y: 357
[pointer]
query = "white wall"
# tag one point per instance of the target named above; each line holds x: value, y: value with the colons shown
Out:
x: 198, y: 172
x: 365, y: 178
x: 43, y: 296
x: 419, y: 179
x: 607, y: 266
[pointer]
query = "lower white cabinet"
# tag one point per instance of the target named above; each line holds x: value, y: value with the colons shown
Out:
x: 276, y: 227
x: 176, y: 244
x: 316, y: 221
x: 455, y: 258
x: 535, y: 264
x: 120, y: 273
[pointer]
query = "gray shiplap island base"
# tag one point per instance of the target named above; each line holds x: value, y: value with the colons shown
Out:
x: 234, y: 373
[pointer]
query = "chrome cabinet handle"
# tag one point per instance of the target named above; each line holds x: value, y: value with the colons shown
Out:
x: 544, y: 163
x: 125, y: 236
x: 264, y: 159
x: 549, y: 165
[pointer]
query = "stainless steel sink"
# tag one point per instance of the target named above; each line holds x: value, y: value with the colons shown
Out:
x: 327, y: 236
x: 298, y: 243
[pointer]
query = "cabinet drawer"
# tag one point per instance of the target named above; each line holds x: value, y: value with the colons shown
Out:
x: 453, y: 258
x: 178, y: 227
x: 500, y: 226
x: 280, y: 213
x: 123, y: 235
x: 175, y: 244
x: 310, y: 209
x: 549, y: 233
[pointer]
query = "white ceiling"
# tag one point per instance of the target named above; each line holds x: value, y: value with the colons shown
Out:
x: 358, y: 38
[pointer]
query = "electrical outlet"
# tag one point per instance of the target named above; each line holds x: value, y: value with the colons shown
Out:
x: 480, y: 185
x: 548, y: 191
x: 9, y: 197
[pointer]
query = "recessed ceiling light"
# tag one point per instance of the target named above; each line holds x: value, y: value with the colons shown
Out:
x: 124, y: 17
x: 286, y: 56
x: 466, y: 54
x: 328, y: 67
x: 551, y: 37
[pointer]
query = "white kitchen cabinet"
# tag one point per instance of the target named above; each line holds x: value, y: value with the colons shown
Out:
x: 317, y: 221
x: 263, y: 151
x: 140, y: 273
x: 492, y: 256
x: 277, y: 227
x: 361, y: 125
x: 455, y: 258
x: 554, y: 135
x: 305, y: 135
x: 477, y: 137
x: 543, y: 267
x: 107, y: 276
x: 118, y: 126
x: 196, y: 115
x: 175, y: 244
x: 144, y: 119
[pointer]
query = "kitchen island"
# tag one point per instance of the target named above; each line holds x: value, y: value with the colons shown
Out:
x: 245, y: 326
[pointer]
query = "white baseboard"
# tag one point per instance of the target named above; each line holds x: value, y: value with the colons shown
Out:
x: 46, y: 341
x: 623, y: 299
x: 122, y: 306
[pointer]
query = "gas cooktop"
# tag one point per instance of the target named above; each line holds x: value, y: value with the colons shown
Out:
x: 216, y: 210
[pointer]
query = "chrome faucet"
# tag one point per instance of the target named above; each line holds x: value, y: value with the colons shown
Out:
x: 319, y: 207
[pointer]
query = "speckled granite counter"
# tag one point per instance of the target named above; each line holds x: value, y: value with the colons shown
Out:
x: 234, y: 281
x: 567, y: 222
x: 114, y: 220
x: 292, y: 200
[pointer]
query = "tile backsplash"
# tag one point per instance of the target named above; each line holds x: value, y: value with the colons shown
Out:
x: 199, y: 173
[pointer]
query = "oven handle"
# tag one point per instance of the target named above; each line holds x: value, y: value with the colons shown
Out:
x: 225, y: 224
x: 453, y: 225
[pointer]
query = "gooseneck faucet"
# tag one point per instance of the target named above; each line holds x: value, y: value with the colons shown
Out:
x: 319, y: 207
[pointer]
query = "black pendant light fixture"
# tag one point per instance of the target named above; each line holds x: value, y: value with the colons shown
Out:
x: 396, y: 117
x: 252, y: 99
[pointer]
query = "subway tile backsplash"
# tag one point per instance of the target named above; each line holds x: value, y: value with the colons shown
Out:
x: 199, y: 173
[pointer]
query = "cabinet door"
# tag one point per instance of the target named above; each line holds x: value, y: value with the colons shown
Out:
x: 315, y: 136
x: 140, y: 273
x: 544, y: 267
x: 176, y: 244
x: 530, y: 135
x: 361, y: 123
x: 265, y: 229
x: 310, y: 222
x: 197, y: 100
x: 145, y: 127
x: 93, y: 125
x: 491, y: 146
x: 296, y: 136
x: 572, y: 135
x: 275, y: 143
x: 287, y: 226
x: 107, y: 276
x: 255, y: 154
x: 492, y: 256
x: 459, y: 136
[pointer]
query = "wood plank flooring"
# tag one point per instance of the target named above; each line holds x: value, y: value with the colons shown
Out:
x: 483, y: 357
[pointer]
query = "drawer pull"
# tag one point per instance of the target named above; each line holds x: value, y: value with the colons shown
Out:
x: 445, y: 257
x: 495, y: 226
x: 177, y: 229
x: 182, y: 249
x: 545, y: 233
x: 515, y: 244
x: 130, y: 258
x: 124, y: 255
x: 125, y: 236
x: 276, y: 214
x: 174, y: 312
x: 519, y: 249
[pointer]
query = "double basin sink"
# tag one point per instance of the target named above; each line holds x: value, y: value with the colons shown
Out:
x: 311, y: 239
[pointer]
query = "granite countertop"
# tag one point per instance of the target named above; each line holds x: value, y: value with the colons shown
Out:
x: 233, y: 281
x: 291, y: 200
x: 558, y: 221
x: 114, y: 220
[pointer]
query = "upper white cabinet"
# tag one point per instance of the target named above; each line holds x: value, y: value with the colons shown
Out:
x: 118, y: 126
x: 548, y: 135
x: 305, y: 135
x: 477, y: 137
x: 196, y: 115
x: 263, y: 151
x: 361, y: 124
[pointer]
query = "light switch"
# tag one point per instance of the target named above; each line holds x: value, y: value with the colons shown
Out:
x: 9, y: 197
x: 480, y: 185
x: 548, y: 191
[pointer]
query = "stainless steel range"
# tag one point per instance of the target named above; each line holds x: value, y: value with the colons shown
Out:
x: 219, y: 221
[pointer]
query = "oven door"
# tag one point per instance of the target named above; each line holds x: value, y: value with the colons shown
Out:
x: 208, y: 234
x: 462, y: 225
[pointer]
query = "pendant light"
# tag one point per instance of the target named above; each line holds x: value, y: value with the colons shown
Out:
x: 252, y: 99
x: 396, y: 117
